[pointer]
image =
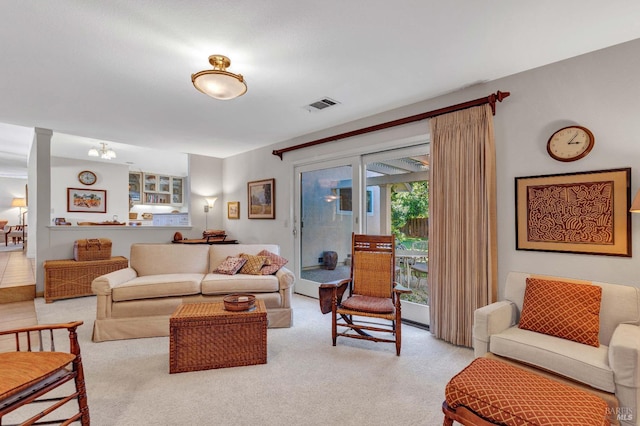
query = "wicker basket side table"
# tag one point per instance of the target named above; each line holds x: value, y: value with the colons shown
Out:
x: 64, y: 279
x: 204, y: 336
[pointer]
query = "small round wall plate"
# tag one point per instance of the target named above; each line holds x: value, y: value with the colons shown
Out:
x: 87, y: 177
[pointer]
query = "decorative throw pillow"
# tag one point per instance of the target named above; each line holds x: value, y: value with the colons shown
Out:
x: 253, y: 264
x: 230, y: 266
x: 276, y: 262
x: 562, y: 309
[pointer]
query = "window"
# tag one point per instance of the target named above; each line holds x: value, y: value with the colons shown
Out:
x: 344, y: 204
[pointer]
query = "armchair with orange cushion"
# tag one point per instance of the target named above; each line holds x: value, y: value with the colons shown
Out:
x: 586, y: 331
x: 35, y: 367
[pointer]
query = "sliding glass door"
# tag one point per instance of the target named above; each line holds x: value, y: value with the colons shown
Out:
x: 398, y: 182
x: 381, y: 194
x: 326, y: 208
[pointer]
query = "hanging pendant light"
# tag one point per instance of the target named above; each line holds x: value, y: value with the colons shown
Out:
x: 218, y: 82
x: 103, y: 152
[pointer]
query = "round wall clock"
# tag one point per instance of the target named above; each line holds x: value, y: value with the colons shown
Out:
x: 570, y: 143
x: 87, y: 177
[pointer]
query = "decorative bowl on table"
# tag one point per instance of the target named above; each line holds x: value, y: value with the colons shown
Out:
x: 239, y: 302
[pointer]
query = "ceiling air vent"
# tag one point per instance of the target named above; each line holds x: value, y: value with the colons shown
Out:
x: 321, y: 104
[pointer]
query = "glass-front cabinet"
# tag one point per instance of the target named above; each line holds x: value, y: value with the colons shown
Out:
x: 150, y: 183
x: 135, y: 188
x: 176, y: 190
x: 164, y: 183
x: 156, y: 189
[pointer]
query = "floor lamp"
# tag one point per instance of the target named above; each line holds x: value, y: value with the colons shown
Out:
x: 21, y: 203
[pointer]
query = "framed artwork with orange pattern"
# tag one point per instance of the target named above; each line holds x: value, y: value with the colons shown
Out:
x: 586, y: 212
x: 86, y: 200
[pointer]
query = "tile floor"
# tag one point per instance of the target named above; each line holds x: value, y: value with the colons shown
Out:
x: 16, y: 273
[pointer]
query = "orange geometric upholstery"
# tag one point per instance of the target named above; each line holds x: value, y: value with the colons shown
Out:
x: 505, y: 394
x: 567, y: 310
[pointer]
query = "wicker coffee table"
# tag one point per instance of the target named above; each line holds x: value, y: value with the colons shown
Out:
x: 203, y: 336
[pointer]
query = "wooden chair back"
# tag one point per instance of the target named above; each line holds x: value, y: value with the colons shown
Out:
x: 373, y: 265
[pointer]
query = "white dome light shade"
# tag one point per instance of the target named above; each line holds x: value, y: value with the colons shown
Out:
x: 104, y: 152
x: 219, y: 83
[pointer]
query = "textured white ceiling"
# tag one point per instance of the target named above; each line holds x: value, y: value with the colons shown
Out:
x: 121, y: 70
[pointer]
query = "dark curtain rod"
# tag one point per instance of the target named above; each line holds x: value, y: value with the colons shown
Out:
x: 491, y: 100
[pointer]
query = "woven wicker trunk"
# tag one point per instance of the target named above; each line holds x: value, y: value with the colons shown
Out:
x: 92, y: 249
x: 204, y: 336
x: 64, y: 279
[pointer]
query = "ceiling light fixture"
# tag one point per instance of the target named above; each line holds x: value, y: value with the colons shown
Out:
x: 103, y: 152
x: 218, y: 82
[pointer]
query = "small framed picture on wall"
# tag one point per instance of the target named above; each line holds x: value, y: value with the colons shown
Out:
x: 233, y: 210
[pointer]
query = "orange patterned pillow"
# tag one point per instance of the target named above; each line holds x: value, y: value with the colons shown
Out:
x: 253, y: 264
x: 562, y: 309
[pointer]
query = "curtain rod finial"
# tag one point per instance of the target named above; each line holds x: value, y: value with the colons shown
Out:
x: 502, y: 95
x: 498, y: 96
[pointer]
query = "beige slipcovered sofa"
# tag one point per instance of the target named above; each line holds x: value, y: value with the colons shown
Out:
x: 138, y: 301
x: 612, y: 367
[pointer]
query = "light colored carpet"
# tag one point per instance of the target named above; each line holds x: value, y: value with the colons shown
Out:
x: 306, y: 380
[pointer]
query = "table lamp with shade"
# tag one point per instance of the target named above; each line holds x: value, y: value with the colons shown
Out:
x: 21, y: 203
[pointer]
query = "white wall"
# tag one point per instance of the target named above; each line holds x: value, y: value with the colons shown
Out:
x: 53, y: 175
x: 11, y: 188
x: 206, y: 181
x: 114, y: 178
x: 598, y: 90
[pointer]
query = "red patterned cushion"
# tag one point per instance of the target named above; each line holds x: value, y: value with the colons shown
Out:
x: 511, y: 396
x: 230, y: 266
x: 277, y: 262
x: 562, y: 309
x: 377, y: 305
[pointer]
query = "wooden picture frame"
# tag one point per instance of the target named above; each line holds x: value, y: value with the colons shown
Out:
x: 86, y: 200
x: 233, y: 210
x: 586, y: 212
x: 261, y: 196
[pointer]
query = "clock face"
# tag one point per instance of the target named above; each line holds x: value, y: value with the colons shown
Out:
x: 87, y: 178
x: 570, y: 143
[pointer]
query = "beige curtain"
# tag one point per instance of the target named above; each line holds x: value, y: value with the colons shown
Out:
x: 462, y: 221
